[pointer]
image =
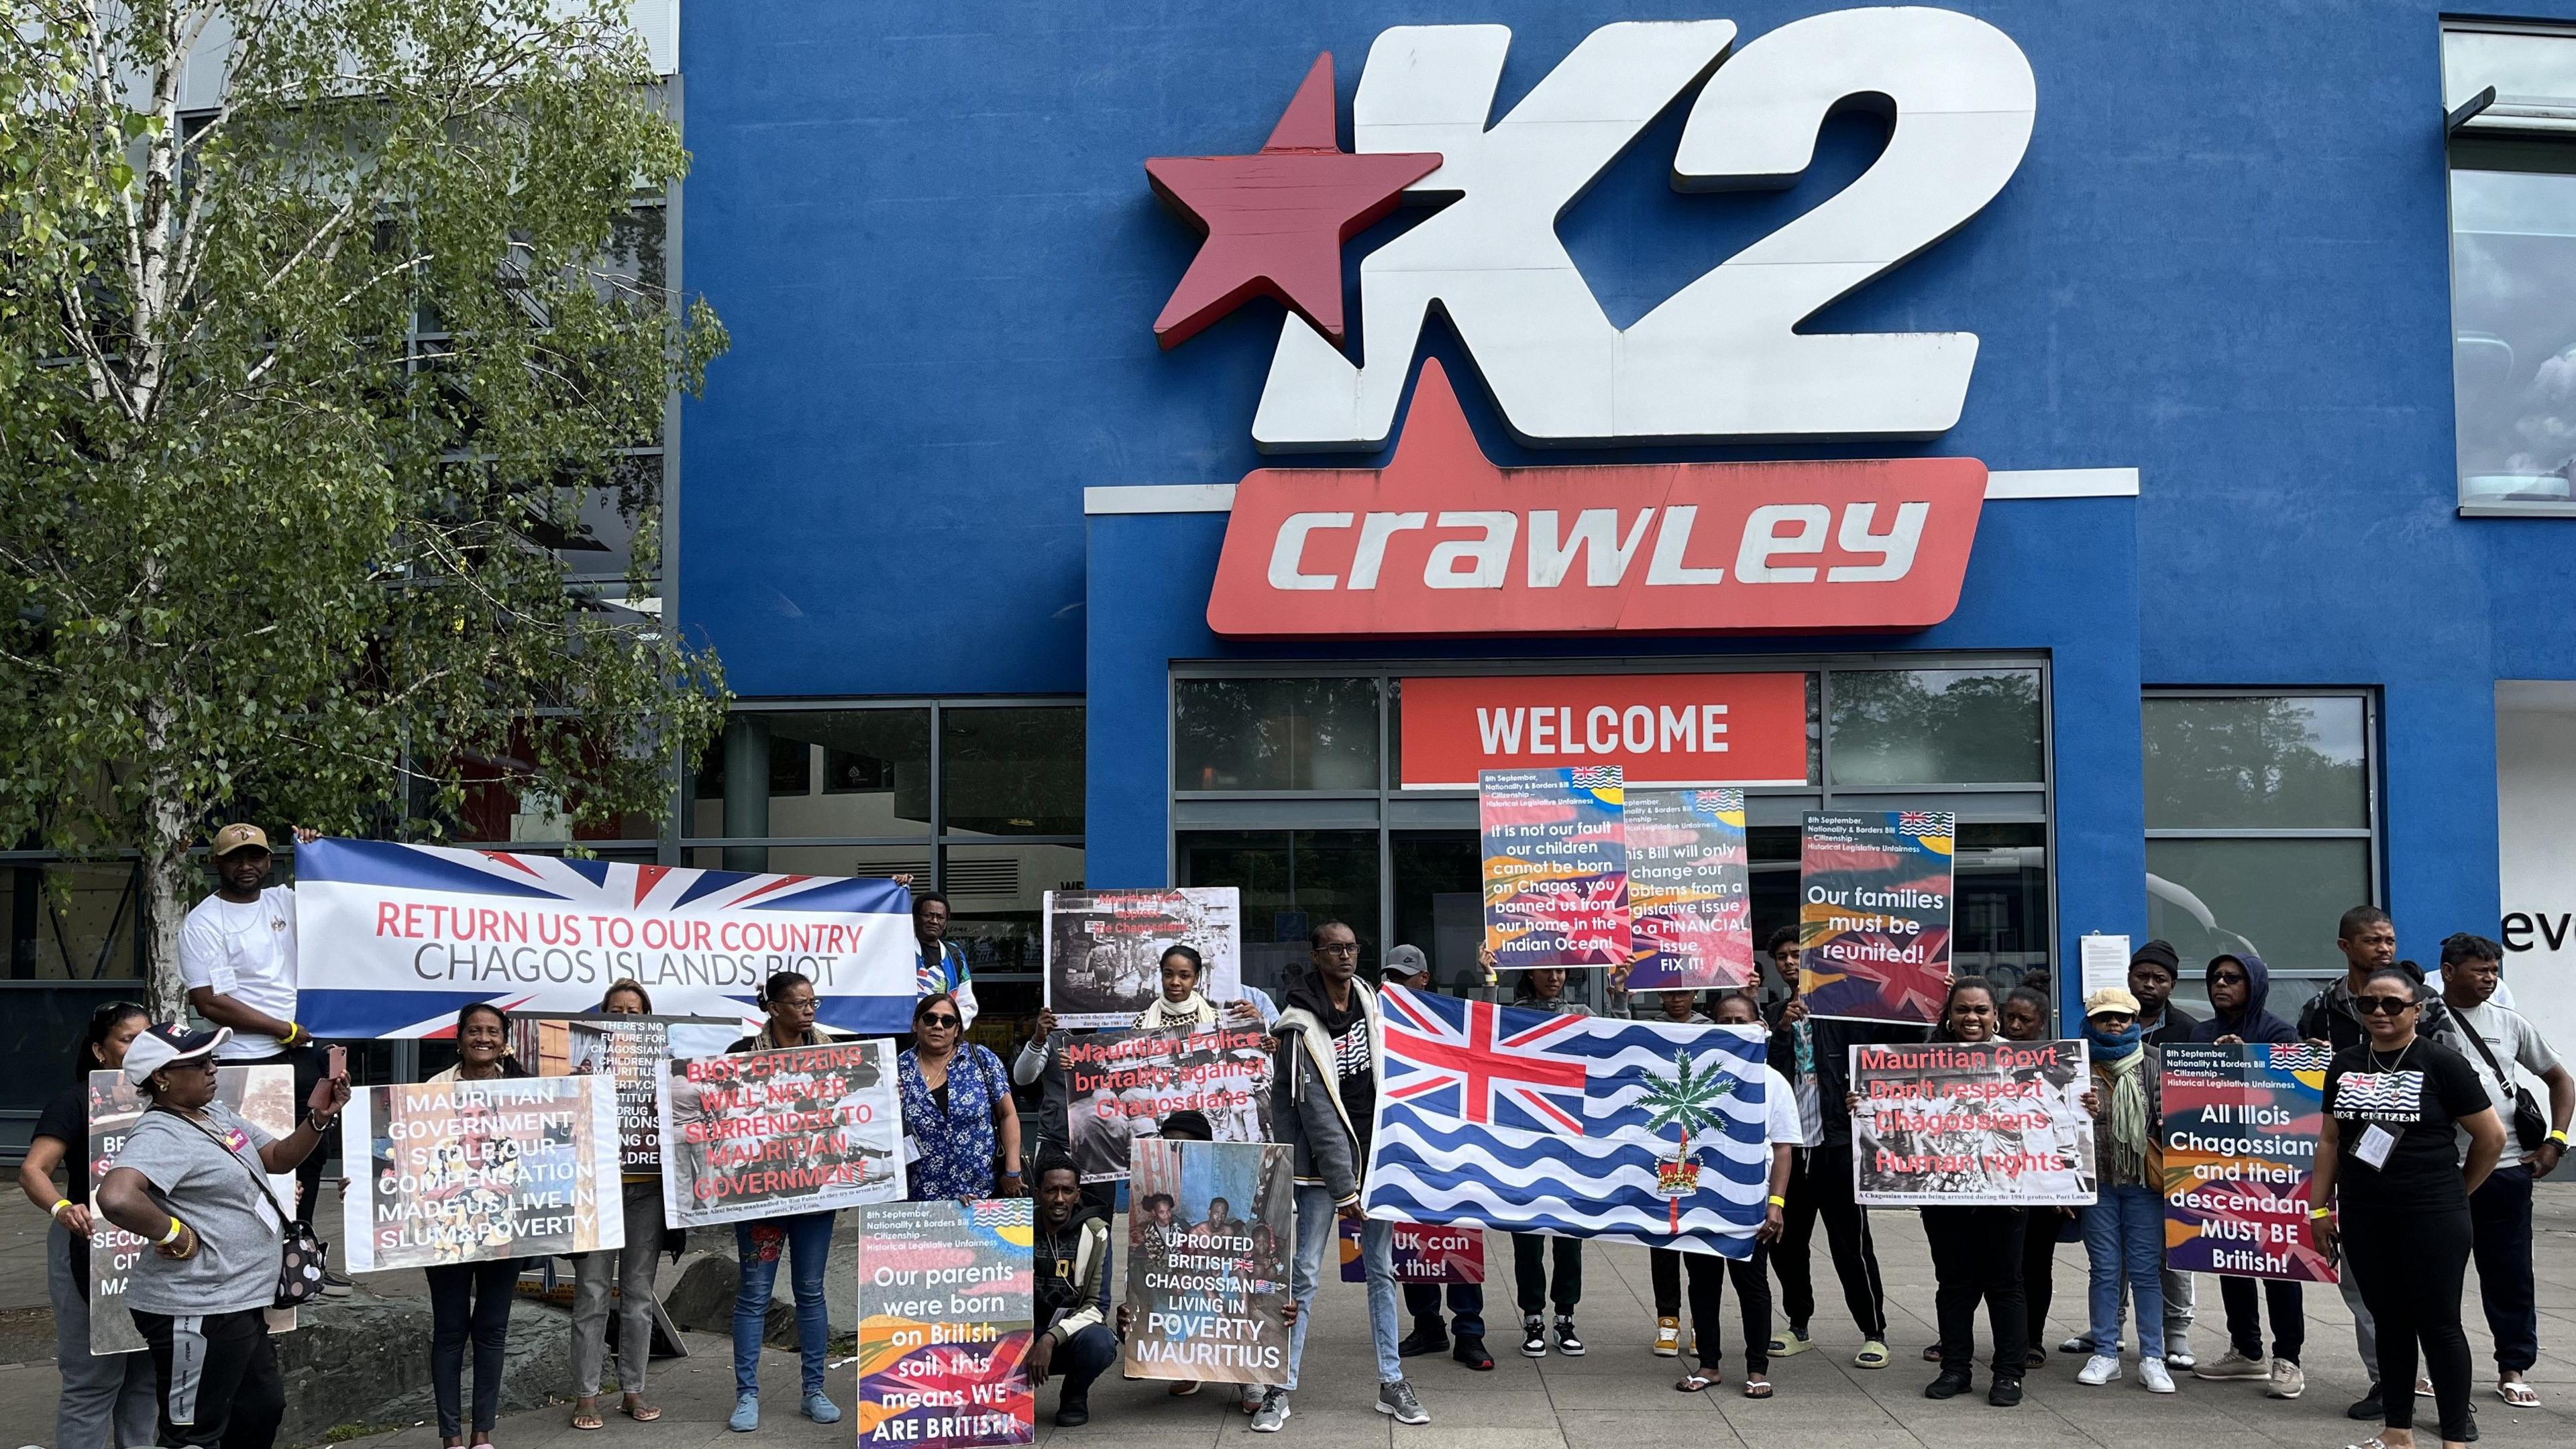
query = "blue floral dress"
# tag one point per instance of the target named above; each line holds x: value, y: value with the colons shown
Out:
x: 957, y: 1146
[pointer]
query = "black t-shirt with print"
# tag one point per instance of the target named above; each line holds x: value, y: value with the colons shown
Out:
x: 1354, y: 1062
x: 66, y: 1120
x: 2418, y: 1095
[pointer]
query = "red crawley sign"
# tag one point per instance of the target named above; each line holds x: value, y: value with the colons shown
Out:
x: 1442, y: 542
x: 1660, y: 729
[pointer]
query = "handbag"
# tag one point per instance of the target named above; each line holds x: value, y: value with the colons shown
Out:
x: 302, y: 1254
x: 2530, y: 1124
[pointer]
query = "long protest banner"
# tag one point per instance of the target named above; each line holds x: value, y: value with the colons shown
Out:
x: 2241, y: 1125
x: 1690, y: 894
x: 1594, y: 1127
x: 1555, y: 867
x: 394, y: 938
x: 471, y: 1172
x: 264, y: 1096
x: 945, y: 1305
x: 1874, y: 915
x: 1104, y: 949
x: 1210, y: 1236
x: 1422, y: 1254
x: 1122, y: 1084
x: 630, y: 1050
x: 797, y: 1130
x: 1955, y: 1123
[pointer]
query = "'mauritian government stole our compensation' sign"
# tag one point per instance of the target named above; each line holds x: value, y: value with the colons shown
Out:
x: 394, y: 938
x: 470, y: 1172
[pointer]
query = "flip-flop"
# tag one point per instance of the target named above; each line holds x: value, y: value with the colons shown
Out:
x: 1757, y: 1387
x: 644, y: 1415
x: 1699, y: 1381
x: 1185, y: 1388
x: 2519, y: 1393
x: 588, y: 1422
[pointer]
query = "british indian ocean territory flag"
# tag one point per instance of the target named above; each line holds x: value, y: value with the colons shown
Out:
x: 1597, y: 1127
x: 392, y: 939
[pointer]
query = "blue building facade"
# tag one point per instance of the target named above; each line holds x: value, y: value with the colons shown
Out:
x: 2263, y: 684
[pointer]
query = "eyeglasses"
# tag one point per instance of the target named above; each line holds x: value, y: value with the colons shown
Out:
x: 2383, y: 1005
x: 939, y: 1020
x: 1345, y: 948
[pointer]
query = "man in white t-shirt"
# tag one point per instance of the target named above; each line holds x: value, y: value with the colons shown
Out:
x: 237, y: 959
x: 2502, y: 1047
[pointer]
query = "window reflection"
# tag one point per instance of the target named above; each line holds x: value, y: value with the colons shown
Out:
x: 1292, y: 881
x: 1012, y: 771
x: 2280, y: 898
x: 1274, y: 734
x: 2276, y: 761
x: 2513, y: 314
x: 1935, y: 727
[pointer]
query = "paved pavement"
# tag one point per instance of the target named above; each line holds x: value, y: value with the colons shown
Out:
x: 1619, y: 1396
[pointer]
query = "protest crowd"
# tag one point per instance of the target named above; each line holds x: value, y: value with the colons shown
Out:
x: 2437, y: 1107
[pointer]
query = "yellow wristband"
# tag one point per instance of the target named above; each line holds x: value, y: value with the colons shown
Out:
x: 294, y: 1034
x: 1779, y: 1201
x: 2320, y: 1214
x: 59, y: 1205
x: 176, y: 1228
x: 2558, y: 1137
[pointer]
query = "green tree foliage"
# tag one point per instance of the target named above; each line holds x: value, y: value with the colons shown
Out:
x: 262, y: 545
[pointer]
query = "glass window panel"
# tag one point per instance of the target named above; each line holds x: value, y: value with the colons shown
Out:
x: 1934, y: 727
x: 1292, y: 880
x: 2001, y: 927
x: 1013, y: 771
x: 839, y: 772
x: 1274, y: 734
x: 38, y: 1026
x: 2281, y: 898
x: 879, y: 861
x: 2264, y: 761
x: 2513, y: 323
x: 72, y: 922
x: 996, y: 903
x: 1439, y: 902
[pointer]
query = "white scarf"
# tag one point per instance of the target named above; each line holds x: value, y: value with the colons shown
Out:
x: 1192, y: 1011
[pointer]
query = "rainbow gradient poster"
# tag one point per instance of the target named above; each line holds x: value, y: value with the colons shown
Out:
x: 1556, y: 867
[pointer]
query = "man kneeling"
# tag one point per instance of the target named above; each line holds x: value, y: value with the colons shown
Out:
x: 1071, y: 1262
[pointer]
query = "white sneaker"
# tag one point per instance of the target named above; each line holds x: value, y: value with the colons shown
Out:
x: 2152, y: 1373
x: 2288, y: 1380
x: 2098, y: 1370
x: 2234, y: 1366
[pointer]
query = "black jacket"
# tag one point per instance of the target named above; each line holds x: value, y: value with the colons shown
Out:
x: 1833, y: 1043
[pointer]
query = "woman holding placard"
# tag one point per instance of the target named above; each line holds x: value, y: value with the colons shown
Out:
x: 789, y: 1000
x: 2391, y: 1192
x: 107, y: 1398
x: 633, y: 1267
x: 956, y: 1105
x: 472, y: 1300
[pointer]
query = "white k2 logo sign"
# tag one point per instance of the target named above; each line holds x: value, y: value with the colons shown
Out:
x: 1721, y: 358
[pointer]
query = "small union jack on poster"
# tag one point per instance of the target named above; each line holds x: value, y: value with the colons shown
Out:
x: 1556, y: 867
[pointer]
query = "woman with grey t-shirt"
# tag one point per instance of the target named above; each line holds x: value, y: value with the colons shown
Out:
x: 193, y: 1181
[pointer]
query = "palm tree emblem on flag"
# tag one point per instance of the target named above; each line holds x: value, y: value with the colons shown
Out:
x: 1686, y: 1100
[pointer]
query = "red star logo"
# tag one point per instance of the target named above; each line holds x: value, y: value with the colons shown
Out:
x: 1276, y: 220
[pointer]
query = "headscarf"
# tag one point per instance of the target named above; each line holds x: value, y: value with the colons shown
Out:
x: 2125, y: 1128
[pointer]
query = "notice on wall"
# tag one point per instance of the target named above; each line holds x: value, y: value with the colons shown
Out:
x: 1210, y: 1235
x: 1874, y: 895
x: 1122, y: 1084
x: 1104, y: 949
x: 1422, y: 1254
x: 1556, y: 867
x: 2105, y: 962
x: 2241, y: 1125
x: 1690, y: 894
x: 472, y: 1172
x: 945, y: 1298
x: 797, y: 1130
x: 264, y: 1096
x: 1960, y: 1124
x: 630, y: 1050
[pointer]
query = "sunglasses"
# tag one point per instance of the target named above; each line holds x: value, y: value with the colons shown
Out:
x: 2114, y: 1018
x: 2228, y: 978
x: 2384, y: 1005
x: 939, y: 1020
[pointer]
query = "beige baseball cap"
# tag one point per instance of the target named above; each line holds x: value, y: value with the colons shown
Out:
x: 239, y: 837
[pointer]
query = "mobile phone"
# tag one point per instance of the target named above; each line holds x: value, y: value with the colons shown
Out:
x: 339, y: 1060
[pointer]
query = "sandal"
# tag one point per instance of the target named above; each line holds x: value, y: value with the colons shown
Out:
x: 1757, y: 1387
x: 639, y: 1411
x: 2519, y: 1394
x: 1185, y: 1388
x: 1699, y: 1380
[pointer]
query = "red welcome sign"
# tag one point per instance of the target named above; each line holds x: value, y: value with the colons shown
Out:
x: 1440, y: 542
x: 1660, y: 729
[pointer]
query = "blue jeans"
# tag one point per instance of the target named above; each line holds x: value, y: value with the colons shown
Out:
x: 1081, y: 1359
x: 2124, y: 1239
x: 808, y: 1236
x: 1315, y: 1234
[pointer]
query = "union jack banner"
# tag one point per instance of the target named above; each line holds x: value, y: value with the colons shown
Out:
x: 393, y: 939
x: 1535, y: 1123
